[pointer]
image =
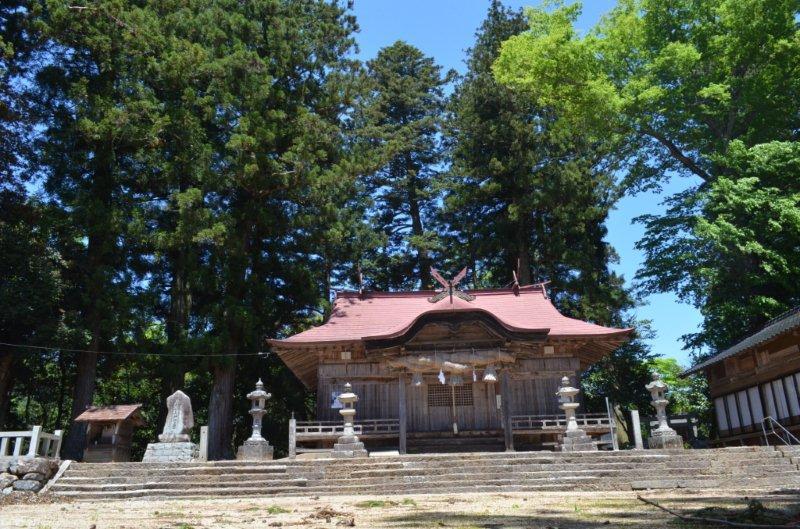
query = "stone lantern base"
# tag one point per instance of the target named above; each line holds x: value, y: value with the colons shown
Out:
x: 578, y: 441
x: 255, y: 450
x: 664, y: 439
x: 349, y: 446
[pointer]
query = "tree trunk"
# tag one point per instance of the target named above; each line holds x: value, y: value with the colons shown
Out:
x: 86, y: 373
x: 6, y: 382
x: 62, y: 390
x: 177, y: 327
x: 423, y: 260
x: 220, y: 412
x: 523, y: 254
x: 85, y: 381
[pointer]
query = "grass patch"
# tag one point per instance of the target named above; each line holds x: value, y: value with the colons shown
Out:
x: 372, y: 504
x: 275, y: 509
x: 184, y: 525
x: 409, y: 501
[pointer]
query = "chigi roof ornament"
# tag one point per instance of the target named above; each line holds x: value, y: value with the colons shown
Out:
x: 450, y: 287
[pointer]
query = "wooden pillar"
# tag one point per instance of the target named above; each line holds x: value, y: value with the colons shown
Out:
x: 505, y: 406
x: 401, y: 413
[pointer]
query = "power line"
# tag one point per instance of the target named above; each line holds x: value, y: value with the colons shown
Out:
x: 131, y: 353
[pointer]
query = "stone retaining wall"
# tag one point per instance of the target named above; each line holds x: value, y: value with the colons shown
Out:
x: 26, y: 474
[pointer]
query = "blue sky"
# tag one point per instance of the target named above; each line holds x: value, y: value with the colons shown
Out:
x: 444, y: 29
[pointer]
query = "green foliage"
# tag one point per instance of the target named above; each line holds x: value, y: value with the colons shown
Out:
x: 701, y: 89
x: 524, y: 193
x: 401, y: 120
x: 685, y: 394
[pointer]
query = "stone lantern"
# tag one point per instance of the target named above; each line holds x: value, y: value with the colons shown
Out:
x: 575, y: 439
x: 348, y: 444
x: 256, y: 447
x: 663, y: 436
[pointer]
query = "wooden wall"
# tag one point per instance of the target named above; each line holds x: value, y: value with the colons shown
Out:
x: 535, y: 382
x: 532, y: 387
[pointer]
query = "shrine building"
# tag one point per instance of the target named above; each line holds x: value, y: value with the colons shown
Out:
x: 446, y: 370
x: 755, y: 385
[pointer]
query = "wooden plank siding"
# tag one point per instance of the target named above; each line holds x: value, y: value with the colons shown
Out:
x: 532, y: 386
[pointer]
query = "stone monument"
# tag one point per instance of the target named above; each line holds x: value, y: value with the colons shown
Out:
x: 663, y: 436
x: 256, y: 448
x: 575, y: 439
x: 348, y: 444
x: 174, y: 442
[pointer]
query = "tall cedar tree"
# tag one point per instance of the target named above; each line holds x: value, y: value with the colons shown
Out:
x: 196, y: 178
x: 278, y: 144
x: 97, y: 118
x: 522, y: 195
x: 683, y: 84
x: 402, y: 119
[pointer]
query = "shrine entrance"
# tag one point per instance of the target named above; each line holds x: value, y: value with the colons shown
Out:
x: 437, y: 407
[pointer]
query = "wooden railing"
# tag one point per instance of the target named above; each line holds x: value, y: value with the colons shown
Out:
x: 591, y: 421
x: 311, y: 430
x: 31, y: 443
x: 300, y: 431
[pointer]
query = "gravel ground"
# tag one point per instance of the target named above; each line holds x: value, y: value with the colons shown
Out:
x: 545, y: 510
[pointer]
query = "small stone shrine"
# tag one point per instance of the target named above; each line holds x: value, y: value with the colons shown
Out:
x: 663, y: 436
x: 256, y: 448
x: 174, y: 442
x: 348, y: 444
x: 575, y: 439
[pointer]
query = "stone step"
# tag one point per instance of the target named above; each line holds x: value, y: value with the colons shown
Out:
x: 759, y: 451
x: 504, y: 459
x: 618, y: 474
x: 693, y: 483
x: 739, y: 467
x: 731, y: 470
x: 188, y: 471
x: 416, y: 475
x: 167, y: 483
x: 209, y: 492
x: 168, y: 490
x: 372, y: 464
x: 506, y: 485
x: 410, y: 489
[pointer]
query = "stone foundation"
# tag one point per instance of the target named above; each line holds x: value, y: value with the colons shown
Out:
x: 26, y: 474
x: 665, y: 439
x: 255, y: 451
x: 170, y: 452
x: 578, y: 441
x: 349, y: 446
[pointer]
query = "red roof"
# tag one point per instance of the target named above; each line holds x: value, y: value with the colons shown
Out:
x: 376, y: 315
x: 114, y: 412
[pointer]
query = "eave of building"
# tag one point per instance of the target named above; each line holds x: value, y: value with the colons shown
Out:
x: 303, y: 359
x: 787, y: 322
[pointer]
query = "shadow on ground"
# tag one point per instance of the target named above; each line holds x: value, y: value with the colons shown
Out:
x: 586, y: 514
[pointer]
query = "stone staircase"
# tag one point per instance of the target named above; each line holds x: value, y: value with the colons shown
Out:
x: 728, y: 468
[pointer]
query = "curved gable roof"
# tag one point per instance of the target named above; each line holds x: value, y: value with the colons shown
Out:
x: 376, y: 315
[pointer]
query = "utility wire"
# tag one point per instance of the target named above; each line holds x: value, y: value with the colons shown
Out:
x: 131, y: 353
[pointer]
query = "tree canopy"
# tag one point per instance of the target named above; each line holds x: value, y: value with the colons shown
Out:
x: 180, y: 181
x: 703, y: 90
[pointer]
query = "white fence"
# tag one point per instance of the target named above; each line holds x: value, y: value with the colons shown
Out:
x: 31, y: 443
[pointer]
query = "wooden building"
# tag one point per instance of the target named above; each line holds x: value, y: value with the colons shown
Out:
x: 446, y: 368
x: 109, y: 431
x: 755, y: 378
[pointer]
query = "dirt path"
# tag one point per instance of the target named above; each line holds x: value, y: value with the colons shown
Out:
x: 462, y: 511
